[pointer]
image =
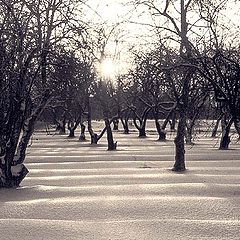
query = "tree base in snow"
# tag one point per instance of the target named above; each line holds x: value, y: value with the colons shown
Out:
x: 82, y: 139
x: 112, y: 147
x: 179, y: 169
x: 15, y: 181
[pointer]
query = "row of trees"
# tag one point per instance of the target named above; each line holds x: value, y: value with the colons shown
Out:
x: 48, y: 65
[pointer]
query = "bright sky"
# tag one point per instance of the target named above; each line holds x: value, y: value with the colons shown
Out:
x: 128, y: 34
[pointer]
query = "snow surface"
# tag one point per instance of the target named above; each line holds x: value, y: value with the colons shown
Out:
x: 78, y: 191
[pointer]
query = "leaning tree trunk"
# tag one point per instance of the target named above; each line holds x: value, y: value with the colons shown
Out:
x: 214, y: 131
x: 225, y: 139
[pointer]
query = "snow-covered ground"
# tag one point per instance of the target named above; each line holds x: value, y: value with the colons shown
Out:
x: 78, y: 191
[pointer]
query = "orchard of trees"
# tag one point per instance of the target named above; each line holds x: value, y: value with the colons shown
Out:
x: 48, y: 59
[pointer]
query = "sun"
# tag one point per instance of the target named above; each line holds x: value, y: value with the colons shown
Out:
x: 108, y: 68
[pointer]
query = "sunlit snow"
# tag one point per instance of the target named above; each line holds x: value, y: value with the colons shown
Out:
x: 84, y: 192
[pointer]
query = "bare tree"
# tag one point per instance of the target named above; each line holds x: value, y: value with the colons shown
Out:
x: 28, y: 33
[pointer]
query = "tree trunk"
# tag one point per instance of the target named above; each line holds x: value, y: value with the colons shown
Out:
x: 71, y: 133
x: 94, y: 138
x: 225, y: 139
x: 161, y: 132
x: 12, y: 169
x: 72, y: 127
x: 214, y: 131
x: 167, y: 120
x: 125, y: 125
x: 111, y: 144
x: 141, y: 127
x: 115, y: 124
x: 82, y: 136
x: 172, y: 122
x: 179, y: 145
x: 142, y: 132
x: 62, y: 127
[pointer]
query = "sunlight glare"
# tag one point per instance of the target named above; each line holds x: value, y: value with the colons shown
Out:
x: 108, y: 68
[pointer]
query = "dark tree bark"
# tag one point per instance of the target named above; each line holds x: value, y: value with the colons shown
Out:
x: 124, y: 117
x: 82, y: 136
x: 172, y: 121
x: 140, y: 122
x: 111, y: 144
x: 95, y: 137
x: 72, y: 126
x: 61, y: 126
x: 71, y: 129
x: 13, y: 169
x: 125, y: 125
x: 161, y: 133
x: 115, y: 124
x: 179, y: 144
x: 225, y: 139
x: 214, y: 131
x: 179, y: 164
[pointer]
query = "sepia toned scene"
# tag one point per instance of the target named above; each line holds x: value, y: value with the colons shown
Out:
x: 119, y: 120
